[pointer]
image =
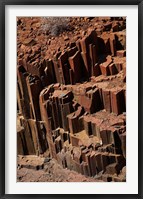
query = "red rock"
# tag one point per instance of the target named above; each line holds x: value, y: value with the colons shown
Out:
x: 113, y: 44
x: 106, y: 178
x: 117, y: 101
x: 105, y: 69
x: 105, y: 160
x: 74, y: 140
x: 113, y: 69
x: 93, y: 164
x: 96, y: 70
x: 106, y: 38
x: 66, y: 38
x: 34, y: 88
x: 115, y: 27
x: 106, y: 99
x: 84, y: 42
x: 99, y: 31
x: 98, y: 160
x: 83, y: 125
x: 20, y: 143
x: 103, y: 136
x: 86, y: 60
x: 105, y: 66
x: 121, y: 53
x: 76, y: 65
x: 123, y: 141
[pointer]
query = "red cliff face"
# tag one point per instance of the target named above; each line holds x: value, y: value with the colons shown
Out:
x: 71, y: 93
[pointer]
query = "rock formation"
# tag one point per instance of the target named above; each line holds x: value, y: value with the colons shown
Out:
x: 71, y: 94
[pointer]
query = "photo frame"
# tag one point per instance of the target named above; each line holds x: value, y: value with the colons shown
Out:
x: 4, y: 100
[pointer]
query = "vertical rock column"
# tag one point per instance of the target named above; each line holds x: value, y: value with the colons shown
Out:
x: 43, y: 100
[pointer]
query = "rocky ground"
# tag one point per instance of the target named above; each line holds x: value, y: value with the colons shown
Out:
x: 33, y: 169
x: 39, y: 169
x: 39, y: 38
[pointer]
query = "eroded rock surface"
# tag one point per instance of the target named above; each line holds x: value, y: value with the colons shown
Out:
x: 71, y: 94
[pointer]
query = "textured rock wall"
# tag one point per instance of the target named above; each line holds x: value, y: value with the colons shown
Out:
x: 73, y: 106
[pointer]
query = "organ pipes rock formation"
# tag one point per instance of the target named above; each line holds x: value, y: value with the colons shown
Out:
x: 71, y: 95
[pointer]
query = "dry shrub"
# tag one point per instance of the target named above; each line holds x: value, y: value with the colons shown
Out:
x: 55, y: 25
